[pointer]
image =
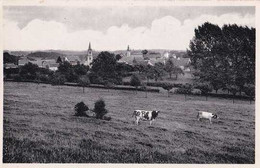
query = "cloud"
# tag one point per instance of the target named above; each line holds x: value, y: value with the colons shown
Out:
x: 165, y: 33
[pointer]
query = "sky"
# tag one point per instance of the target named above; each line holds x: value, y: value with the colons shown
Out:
x: 113, y: 28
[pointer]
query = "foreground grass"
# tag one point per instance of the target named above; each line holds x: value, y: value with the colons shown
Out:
x: 39, y: 127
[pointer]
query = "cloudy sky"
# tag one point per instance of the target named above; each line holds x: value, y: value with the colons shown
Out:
x: 112, y: 28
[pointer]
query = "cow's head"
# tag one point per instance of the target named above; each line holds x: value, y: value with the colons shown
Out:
x: 215, y: 116
x: 155, y: 113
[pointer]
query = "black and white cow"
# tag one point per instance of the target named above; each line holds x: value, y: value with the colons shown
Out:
x: 206, y: 115
x: 145, y: 115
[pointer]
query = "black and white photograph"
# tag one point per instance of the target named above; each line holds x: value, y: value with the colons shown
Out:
x: 129, y: 83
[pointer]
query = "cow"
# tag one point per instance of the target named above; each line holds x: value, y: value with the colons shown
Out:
x: 145, y: 115
x: 206, y: 115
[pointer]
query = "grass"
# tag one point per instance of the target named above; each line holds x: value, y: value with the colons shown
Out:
x: 40, y: 127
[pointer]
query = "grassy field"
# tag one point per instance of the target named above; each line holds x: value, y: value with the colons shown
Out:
x: 39, y: 127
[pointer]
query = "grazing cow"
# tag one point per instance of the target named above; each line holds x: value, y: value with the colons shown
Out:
x: 145, y: 115
x: 206, y: 115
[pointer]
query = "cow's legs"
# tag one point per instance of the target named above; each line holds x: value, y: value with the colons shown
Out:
x: 137, y: 120
x: 210, y: 121
x: 151, y: 122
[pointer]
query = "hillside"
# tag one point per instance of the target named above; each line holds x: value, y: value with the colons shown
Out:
x: 45, y: 55
x: 40, y: 127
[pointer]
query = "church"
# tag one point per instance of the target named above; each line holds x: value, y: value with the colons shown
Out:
x: 89, y: 56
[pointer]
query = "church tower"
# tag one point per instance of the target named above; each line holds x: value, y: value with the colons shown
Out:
x: 89, y: 57
x: 128, y: 52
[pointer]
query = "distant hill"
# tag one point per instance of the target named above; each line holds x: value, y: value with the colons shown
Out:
x: 18, y: 53
x: 54, y: 54
x: 44, y: 55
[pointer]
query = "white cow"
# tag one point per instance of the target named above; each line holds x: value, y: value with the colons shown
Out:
x: 206, y: 115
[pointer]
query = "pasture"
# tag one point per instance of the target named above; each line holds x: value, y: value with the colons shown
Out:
x: 40, y: 127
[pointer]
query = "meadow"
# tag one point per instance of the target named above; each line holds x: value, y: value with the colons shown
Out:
x: 40, y: 127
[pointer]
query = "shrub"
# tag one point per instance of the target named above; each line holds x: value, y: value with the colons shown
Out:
x: 204, y: 87
x: 16, y: 77
x: 196, y: 92
x: 58, y: 79
x: 167, y: 86
x: 84, y: 81
x: 95, y: 79
x: 108, y: 84
x: 80, y: 109
x: 99, y: 109
x: 249, y: 90
x: 135, y: 80
x: 184, y: 89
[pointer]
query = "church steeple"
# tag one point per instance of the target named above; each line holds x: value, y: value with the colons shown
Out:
x: 128, y: 52
x: 89, y: 56
x: 89, y: 46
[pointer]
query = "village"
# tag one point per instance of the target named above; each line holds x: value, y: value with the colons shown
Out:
x: 130, y: 57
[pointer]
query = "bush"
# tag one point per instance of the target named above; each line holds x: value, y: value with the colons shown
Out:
x: 204, y: 87
x: 135, y: 80
x: 99, y: 109
x: 58, y: 79
x: 16, y: 77
x: 249, y: 90
x: 196, y: 92
x: 80, y: 109
x: 167, y: 86
x: 184, y: 89
x: 95, y: 79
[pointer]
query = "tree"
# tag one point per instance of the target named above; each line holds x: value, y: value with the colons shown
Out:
x: 118, y: 57
x: 249, y: 90
x: 168, y: 87
x: 105, y: 67
x: 158, y: 70
x: 59, y: 60
x: 80, y: 109
x: 149, y: 72
x: 123, y: 69
x: 233, y: 89
x: 144, y: 52
x: 177, y: 71
x: 139, y: 67
x: 135, y: 81
x: 66, y: 69
x: 205, y: 88
x: 169, y: 67
x: 84, y: 82
x: 100, y: 109
x: 58, y: 79
x: 80, y: 69
x: 8, y: 58
x: 185, y: 89
x: 28, y: 71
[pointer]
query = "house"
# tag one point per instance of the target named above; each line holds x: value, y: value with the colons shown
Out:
x: 10, y: 66
x: 23, y: 61
x: 183, y: 63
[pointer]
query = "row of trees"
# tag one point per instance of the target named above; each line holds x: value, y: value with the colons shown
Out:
x: 224, y: 58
